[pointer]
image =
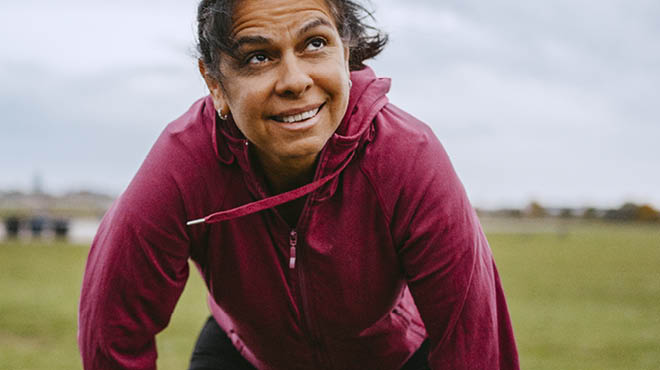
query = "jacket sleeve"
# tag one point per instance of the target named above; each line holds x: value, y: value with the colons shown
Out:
x: 136, y: 270
x: 450, y: 269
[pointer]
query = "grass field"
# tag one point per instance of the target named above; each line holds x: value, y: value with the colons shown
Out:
x: 587, y: 297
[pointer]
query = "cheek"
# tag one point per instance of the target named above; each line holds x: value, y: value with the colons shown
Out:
x: 338, y: 87
x: 334, y: 82
x: 249, y: 117
x: 245, y: 107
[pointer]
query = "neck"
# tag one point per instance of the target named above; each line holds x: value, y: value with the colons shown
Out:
x: 284, y: 174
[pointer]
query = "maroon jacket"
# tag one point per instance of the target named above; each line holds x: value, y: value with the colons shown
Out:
x: 386, y: 221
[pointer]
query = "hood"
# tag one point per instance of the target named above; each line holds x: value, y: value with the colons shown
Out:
x: 367, y: 98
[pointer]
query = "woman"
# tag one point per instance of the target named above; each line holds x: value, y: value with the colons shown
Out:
x: 344, y: 239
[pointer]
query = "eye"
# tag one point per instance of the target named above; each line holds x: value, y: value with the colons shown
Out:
x: 258, y: 58
x: 316, y: 44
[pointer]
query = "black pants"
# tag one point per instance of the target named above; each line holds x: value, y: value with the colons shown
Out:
x: 214, y: 351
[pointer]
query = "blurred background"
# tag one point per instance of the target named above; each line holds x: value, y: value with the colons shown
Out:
x: 549, y: 111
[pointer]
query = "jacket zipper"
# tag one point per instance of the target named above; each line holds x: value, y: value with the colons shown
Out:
x: 295, y: 254
x: 322, y: 362
x: 293, y: 242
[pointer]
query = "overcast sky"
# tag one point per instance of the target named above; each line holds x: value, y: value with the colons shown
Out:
x: 555, y: 101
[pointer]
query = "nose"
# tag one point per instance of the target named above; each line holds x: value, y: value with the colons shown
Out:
x: 294, y: 78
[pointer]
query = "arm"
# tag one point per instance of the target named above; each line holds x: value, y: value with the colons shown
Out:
x: 136, y: 271
x: 450, y: 270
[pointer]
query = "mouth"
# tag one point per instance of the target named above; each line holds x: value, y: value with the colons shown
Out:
x: 298, y: 116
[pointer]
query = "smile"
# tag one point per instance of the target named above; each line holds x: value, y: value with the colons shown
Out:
x: 298, y: 117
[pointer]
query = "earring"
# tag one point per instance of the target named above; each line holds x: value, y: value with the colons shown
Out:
x: 222, y: 116
x: 350, y: 84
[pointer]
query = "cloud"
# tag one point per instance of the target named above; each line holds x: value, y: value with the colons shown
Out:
x: 545, y: 100
x: 87, y: 37
x: 551, y: 100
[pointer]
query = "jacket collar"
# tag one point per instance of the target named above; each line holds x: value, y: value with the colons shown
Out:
x: 367, y: 98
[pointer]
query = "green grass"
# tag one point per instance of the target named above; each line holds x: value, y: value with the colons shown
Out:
x: 587, y: 297
x: 39, y: 292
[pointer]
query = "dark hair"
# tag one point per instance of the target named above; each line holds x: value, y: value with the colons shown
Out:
x: 214, y: 22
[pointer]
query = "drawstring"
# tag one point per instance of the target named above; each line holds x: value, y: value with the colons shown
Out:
x: 270, y: 202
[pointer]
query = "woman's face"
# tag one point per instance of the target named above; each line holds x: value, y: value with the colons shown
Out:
x: 288, y: 88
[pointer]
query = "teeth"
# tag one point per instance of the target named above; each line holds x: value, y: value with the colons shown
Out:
x: 299, y: 117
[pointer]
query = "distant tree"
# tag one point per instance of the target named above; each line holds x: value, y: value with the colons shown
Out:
x: 566, y: 213
x: 633, y: 212
x: 629, y: 211
x: 535, y: 209
x: 626, y: 212
x: 590, y: 213
x: 647, y: 213
x: 613, y: 215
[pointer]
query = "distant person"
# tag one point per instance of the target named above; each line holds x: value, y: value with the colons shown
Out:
x: 12, y: 226
x: 328, y: 224
x: 61, y: 228
x: 37, y: 226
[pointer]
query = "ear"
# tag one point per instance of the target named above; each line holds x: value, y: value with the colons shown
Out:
x: 219, y: 100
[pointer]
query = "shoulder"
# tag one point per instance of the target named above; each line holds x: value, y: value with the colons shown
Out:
x: 404, y: 146
x: 405, y: 159
x: 185, y: 141
x: 180, y: 167
x: 393, y: 123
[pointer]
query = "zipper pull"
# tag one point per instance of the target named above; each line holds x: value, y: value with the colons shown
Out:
x: 293, y: 241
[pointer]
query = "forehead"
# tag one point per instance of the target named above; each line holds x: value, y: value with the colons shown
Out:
x: 261, y: 15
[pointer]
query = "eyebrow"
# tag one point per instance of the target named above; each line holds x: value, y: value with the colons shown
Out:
x: 261, y: 40
x: 316, y: 22
x: 250, y: 40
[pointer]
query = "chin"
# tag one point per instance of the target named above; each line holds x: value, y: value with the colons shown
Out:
x: 304, y: 150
